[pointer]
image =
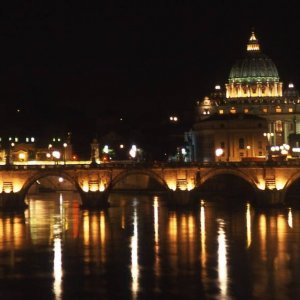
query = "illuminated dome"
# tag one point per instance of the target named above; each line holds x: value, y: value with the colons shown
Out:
x: 256, y: 66
x: 255, y: 75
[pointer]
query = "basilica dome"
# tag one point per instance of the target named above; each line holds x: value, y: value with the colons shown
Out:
x: 254, y: 76
x: 254, y: 67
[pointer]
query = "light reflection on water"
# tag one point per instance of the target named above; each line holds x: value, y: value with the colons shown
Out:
x: 139, y: 249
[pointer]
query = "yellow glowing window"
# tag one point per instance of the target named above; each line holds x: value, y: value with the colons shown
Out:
x: 265, y: 110
x: 246, y: 110
x: 278, y: 109
x: 233, y: 110
x: 291, y: 109
x: 221, y: 111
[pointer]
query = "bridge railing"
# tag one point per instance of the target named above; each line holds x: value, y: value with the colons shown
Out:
x: 148, y: 165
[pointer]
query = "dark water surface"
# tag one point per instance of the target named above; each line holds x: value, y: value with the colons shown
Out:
x: 139, y: 249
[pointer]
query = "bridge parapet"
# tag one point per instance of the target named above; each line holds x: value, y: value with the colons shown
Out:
x: 94, y: 181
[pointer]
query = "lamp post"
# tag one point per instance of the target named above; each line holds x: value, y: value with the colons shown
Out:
x: 248, y: 148
x: 269, y: 135
x: 65, y: 146
x: 9, y: 159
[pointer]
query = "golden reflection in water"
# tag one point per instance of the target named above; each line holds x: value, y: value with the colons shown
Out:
x: 156, y: 236
x: 203, y: 236
x: 172, y: 235
x: 86, y: 228
x: 191, y: 238
x: 248, y: 225
x: 173, y: 228
x: 12, y: 230
x: 57, y: 249
x: 102, y: 235
x: 203, y: 243
x: 290, y: 218
x: 283, y: 274
x: 94, y: 236
x: 123, y: 218
x: 134, y: 268
x: 263, y: 235
x: 222, y: 260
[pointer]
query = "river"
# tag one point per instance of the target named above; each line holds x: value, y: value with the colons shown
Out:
x: 140, y: 249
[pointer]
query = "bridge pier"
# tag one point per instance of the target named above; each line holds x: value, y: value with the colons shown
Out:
x: 181, y: 198
x: 94, y: 200
x: 270, y: 198
x: 12, y: 201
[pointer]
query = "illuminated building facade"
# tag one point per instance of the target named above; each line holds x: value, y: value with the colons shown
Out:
x: 22, y: 150
x: 252, y: 117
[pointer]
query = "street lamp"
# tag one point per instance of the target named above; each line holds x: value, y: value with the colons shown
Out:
x: 248, y: 148
x: 219, y: 152
x: 269, y: 135
x: 56, y: 155
x: 65, y: 146
x: 133, y: 151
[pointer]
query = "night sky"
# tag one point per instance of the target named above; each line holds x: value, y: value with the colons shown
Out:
x: 83, y: 67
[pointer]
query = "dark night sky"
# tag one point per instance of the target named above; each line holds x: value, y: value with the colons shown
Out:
x: 138, y: 61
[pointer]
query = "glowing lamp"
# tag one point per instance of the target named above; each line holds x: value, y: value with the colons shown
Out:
x: 219, y: 152
x: 56, y: 154
x: 21, y: 156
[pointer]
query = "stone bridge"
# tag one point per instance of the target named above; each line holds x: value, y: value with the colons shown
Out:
x: 182, y: 183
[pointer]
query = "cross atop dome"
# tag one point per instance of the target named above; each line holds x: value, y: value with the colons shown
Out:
x: 253, y: 44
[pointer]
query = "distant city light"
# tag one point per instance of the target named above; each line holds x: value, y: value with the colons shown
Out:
x: 56, y: 154
x: 173, y: 118
x: 32, y: 139
x: 132, y: 151
x: 105, y: 149
x: 60, y: 179
x: 291, y: 85
x: 121, y: 146
x: 21, y: 156
x: 219, y: 152
x: 217, y: 87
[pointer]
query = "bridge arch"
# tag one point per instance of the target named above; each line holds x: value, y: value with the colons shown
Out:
x: 130, y: 173
x: 228, y: 186
x: 238, y: 173
x: 42, y: 174
x: 291, y: 190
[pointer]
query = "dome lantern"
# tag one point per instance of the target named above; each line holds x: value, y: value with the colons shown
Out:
x: 253, y: 44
